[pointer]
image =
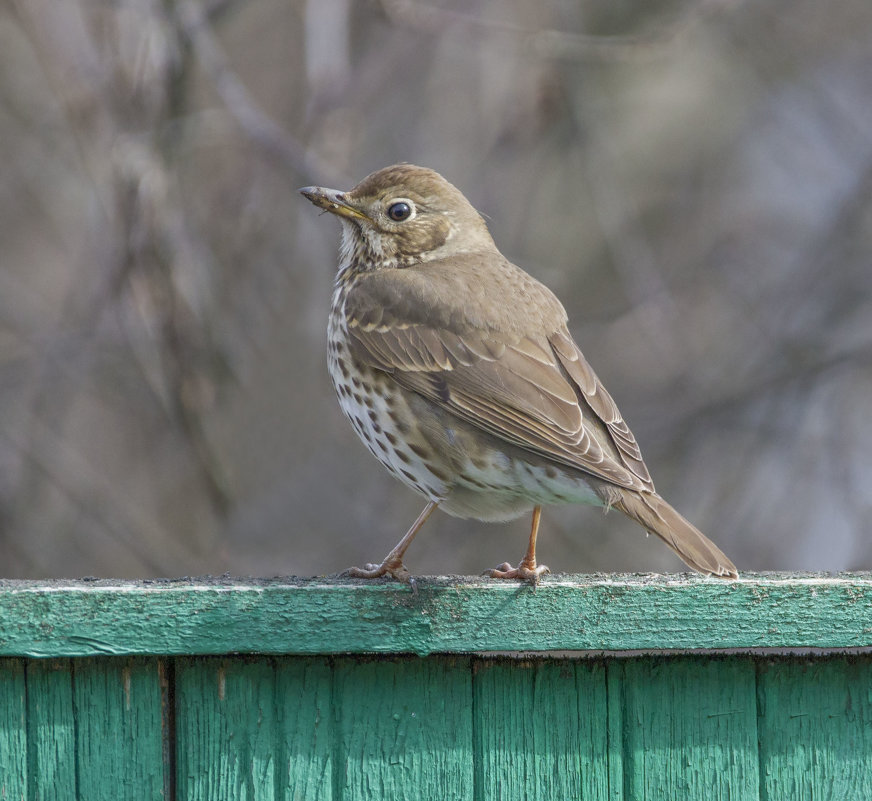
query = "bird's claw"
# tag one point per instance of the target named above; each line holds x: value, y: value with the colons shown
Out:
x: 395, y: 569
x: 524, y: 571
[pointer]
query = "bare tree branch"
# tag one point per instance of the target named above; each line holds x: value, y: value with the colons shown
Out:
x: 258, y: 126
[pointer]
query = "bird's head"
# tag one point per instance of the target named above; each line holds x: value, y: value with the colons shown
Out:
x: 403, y: 215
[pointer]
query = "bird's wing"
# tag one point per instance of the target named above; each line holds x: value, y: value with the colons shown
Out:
x: 600, y: 403
x: 534, y: 391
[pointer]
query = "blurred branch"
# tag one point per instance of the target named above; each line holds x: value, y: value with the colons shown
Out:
x: 167, y: 274
x: 95, y: 496
x: 803, y: 352
x: 842, y: 226
x: 629, y: 251
x: 551, y: 43
x: 257, y: 125
x: 792, y: 375
x: 152, y: 244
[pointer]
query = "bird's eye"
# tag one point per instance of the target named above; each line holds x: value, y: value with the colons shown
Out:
x: 399, y: 211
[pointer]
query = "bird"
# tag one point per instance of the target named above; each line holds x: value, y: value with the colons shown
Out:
x: 457, y: 370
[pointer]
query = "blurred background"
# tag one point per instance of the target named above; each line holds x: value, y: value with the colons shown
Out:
x: 693, y: 180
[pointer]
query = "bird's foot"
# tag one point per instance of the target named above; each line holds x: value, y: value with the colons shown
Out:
x: 390, y: 567
x: 524, y: 571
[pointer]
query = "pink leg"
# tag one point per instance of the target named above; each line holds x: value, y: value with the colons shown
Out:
x: 392, y: 565
x: 527, y: 569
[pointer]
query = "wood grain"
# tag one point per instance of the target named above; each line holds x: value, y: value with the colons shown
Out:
x: 51, y: 731
x: 13, y: 730
x: 119, y: 736
x: 689, y: 728
x: 816, y: 728
x: 541, y: 730
x: 459, y: 615
x: 404, y: 729
x: 306, y: 729
x: 332, y: 720
x: 226, y: 726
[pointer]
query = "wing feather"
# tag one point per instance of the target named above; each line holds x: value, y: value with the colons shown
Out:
x: 601, y: 403
x: 528, y: 387
x: 519, y: 396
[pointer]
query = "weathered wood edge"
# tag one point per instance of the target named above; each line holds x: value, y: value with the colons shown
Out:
x: 580, y: 613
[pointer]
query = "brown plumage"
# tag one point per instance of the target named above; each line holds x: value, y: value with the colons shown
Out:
x: 457, y: 369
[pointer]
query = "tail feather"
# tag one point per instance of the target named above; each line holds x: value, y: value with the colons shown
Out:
x: 658, y: 517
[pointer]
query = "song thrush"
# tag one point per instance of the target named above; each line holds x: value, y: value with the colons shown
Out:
x: 458, y: 372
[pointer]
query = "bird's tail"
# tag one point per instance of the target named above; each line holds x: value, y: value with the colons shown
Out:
x: 658, y: 517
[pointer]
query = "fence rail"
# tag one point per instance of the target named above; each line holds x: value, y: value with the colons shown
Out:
x: 441, y: 615
x: 617, y: 688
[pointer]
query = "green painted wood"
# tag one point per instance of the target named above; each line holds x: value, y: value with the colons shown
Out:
x: 615, y: 733
x: 320, y: 616
x: 816, y: 728
x: 51, y: 731
x: 666, y: 727
x: 13, y: 731
x: 254, y: 729
x: 621, y: 726
x: 306, y: 730
x: 119, y: 738
x: 540, y: 730
x: 689, y: 728
x: 404, y: 729
x: 226, y: 729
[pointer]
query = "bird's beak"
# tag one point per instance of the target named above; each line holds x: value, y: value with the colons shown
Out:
x: 332, y: 200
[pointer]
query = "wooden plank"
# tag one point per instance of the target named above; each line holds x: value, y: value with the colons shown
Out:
x: 119, y: 734
x: 225, y: 730
x: 816, y: 728
x: 304, y: 748
x: 540, y: 730
x: 689, y: 728
x: 615, y: 732
x: 404, y: 729
x: 51, y: 731
x: 13, y: 731
x: 318, y: 616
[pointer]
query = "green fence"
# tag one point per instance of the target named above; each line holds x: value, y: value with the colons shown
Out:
x: 586, y: 687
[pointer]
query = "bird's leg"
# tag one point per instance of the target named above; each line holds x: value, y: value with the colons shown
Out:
x: 527, y: 569
x: 392, y: 565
